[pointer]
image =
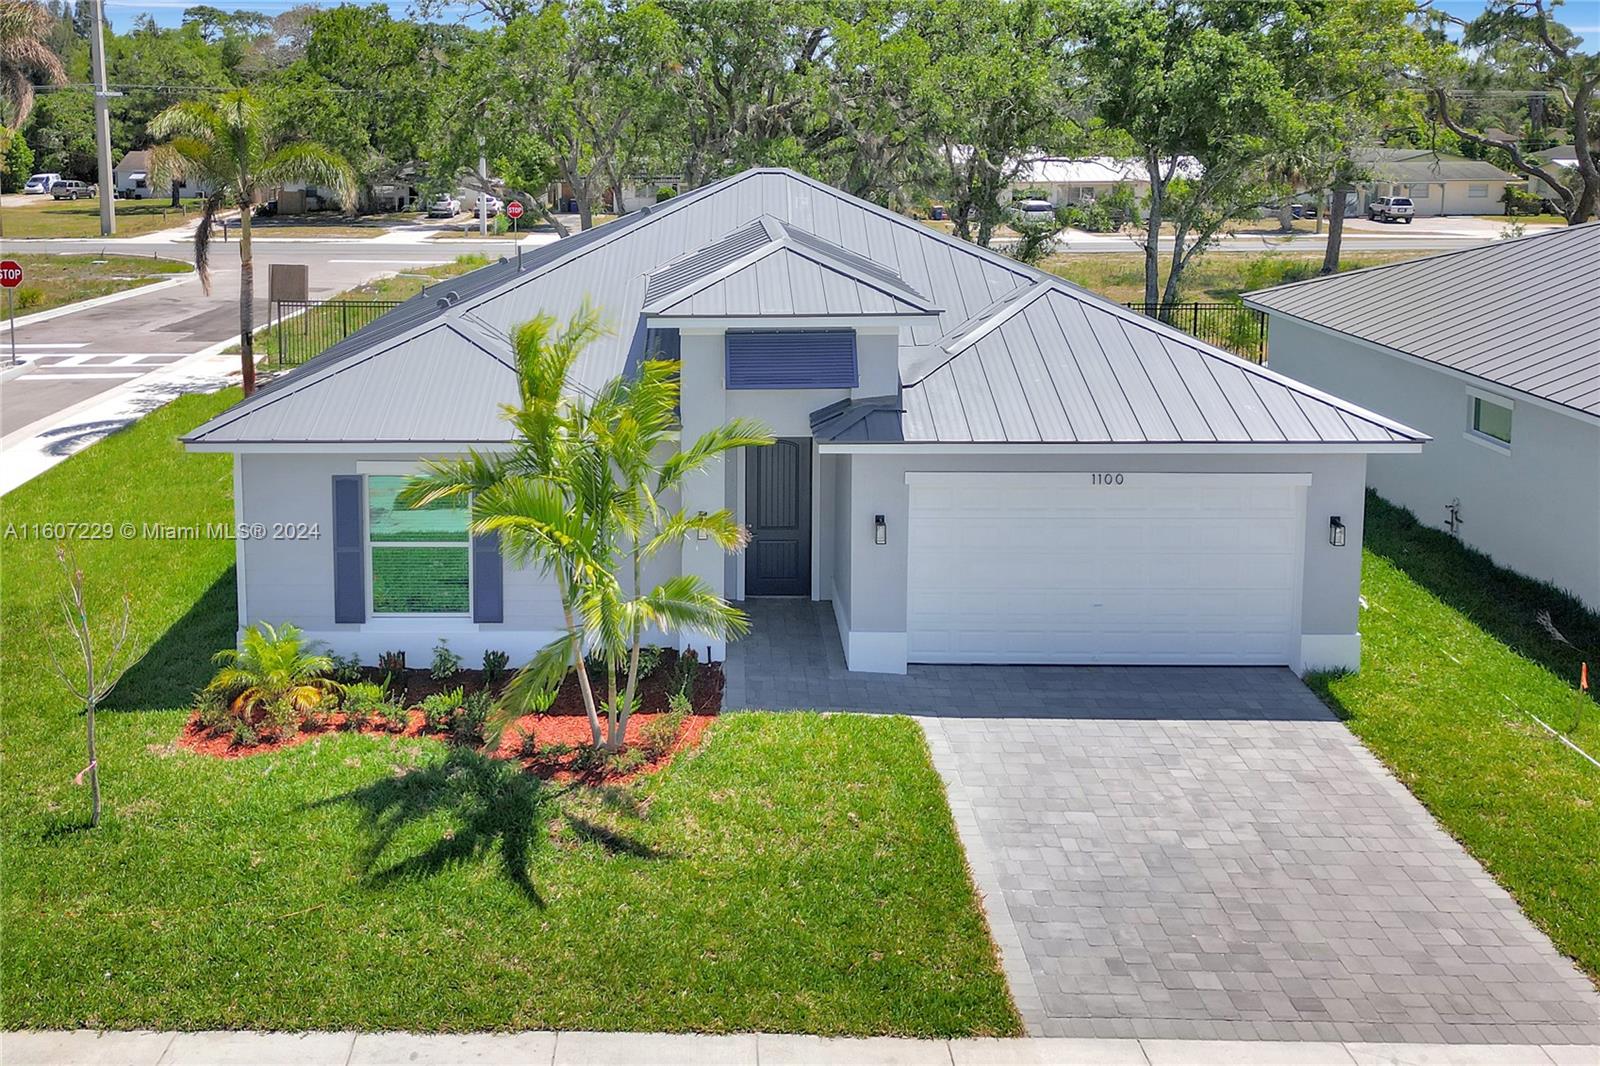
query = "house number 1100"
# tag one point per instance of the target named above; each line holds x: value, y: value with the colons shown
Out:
x: 1105, y: 479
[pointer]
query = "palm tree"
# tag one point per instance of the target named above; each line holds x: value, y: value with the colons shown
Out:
x: 273, y: 673
x: 579, y: 496
x: 24, y: 53
x: 224, y: 146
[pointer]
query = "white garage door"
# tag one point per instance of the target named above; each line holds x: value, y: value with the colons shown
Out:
x: 1104, y: 568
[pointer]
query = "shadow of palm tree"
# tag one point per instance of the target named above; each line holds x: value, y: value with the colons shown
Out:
x: 179, y: 663
x: 1501, y: 602
x: 496, y: 808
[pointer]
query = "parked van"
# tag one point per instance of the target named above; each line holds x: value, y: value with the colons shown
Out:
x: 40, y: 184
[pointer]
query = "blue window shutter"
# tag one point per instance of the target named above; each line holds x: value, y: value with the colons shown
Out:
x: 488, y: 579
x: 791, y: 359
x: 349, y: 552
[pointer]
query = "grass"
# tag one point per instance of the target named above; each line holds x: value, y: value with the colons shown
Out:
x: 81, y: 218
x: 1220, y: 277
x: 1544, y: 218
x: 1453, y: 662
x: 54, y: 280
x: 799, y: 872
x: 258, y: 229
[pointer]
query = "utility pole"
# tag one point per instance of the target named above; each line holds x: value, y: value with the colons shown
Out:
x: 483, y: 194
x: 102, y: 123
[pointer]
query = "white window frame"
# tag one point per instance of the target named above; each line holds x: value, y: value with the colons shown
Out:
x: 1477, y: 436
x: 373, y: 614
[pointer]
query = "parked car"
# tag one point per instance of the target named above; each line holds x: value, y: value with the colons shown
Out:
x: 68, y: 189
x: 1391, y: 209
x: 1035, y: 210
x: 40, y: 184
x: 445, y: 206
x: 489, y: 201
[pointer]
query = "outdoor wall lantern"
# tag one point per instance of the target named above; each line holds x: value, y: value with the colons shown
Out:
x: 1336, y: 532
x: 880, y: 531
x: 700, y: 533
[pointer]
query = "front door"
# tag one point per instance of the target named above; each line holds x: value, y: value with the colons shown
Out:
x: 777, y: 504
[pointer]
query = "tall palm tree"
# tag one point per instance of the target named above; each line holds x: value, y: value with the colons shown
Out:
x: 579, y: 496
x: 223, y: 145
x: 24, y: 54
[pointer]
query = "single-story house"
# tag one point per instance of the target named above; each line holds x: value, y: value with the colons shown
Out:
x: 977, y: 462
x: 1081, y: 181
x: 1560, y: 159
x: 1494, y: 352
x: 1437, y: 183
x: 131, y: 176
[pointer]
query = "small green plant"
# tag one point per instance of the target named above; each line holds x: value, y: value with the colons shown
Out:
x: 272, y: 682
x: 684, y: 674
x: 494, y: 666
x: 29, y: 296
x: 346, y: 668
x: 446, y: 663
x: 243, y: 736
x: 467, y: 725
x: 395, y: 716
x: 439, y: 709
x: 364, y: 701
x: 665, y: 193
x: 627, y: 760
x: 392, y: 662
x: 660, y: 735
x: 650, y: 657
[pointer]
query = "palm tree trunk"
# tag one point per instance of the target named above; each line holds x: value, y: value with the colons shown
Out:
x: 633, y: 654
x: 247, y: 301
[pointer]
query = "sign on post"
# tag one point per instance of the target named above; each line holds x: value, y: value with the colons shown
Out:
x: 514, y: 212
x: 10, y: 278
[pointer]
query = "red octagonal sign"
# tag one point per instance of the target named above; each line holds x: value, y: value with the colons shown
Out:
x: 514, y: 209
x: 10, y: 274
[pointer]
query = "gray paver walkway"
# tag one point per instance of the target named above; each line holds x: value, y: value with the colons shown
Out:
x: 1197, y: 854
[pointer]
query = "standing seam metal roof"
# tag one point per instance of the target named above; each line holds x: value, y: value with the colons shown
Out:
x: 1013, y: 354
x: 1521, y: 313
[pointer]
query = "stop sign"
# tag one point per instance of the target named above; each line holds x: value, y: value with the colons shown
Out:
x: 514, y: 209
x: 10, y: 274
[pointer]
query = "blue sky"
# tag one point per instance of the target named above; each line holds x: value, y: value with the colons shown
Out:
x: 1582, y: 15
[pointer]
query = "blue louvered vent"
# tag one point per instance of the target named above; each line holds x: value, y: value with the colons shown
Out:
x: 792, y: 359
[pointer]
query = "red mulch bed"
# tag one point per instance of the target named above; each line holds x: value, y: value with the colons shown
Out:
x: 418, y: 684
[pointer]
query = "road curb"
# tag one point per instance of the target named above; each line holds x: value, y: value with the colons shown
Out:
x: 15, y: 371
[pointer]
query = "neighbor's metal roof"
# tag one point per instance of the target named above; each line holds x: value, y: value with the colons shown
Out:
x: 1005, y: 352
x: 1522, y: 313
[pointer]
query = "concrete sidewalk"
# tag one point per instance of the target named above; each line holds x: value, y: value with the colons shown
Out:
x: 144, y: 1048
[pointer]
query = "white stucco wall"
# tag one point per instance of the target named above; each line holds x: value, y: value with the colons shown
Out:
x: 1534, y: 507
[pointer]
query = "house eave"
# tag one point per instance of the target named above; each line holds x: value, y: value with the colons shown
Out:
x: 1114, y: 447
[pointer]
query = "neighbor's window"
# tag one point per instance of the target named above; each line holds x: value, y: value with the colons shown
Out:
x: 420, y: 562
x: 1478, y: 189
x: 1491, y: 419
x: 1418, y: 192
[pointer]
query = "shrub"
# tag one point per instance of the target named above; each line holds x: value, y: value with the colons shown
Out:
x: 270, y: 684
x: 467, y: 726
x: 665, y: 193
x: 29, y: 296
x: 392, y: 662
x: 363, y: 701
x: 346, y: 668
x: 395, y: 716
x: 446, y: 663
x: 439, y: 709
x: 494, y: 666
x: 683, y: 676
x: 660, y: 735
x: 1270, y: 270
x: 650, y: 657
x: 626, y: 761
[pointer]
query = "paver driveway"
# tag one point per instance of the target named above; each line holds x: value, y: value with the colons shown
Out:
x: 1198, y: 853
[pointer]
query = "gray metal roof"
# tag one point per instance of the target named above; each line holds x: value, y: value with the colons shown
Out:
x: 998, y: 351
x: 1521, y: 313
x: 1425, y: 165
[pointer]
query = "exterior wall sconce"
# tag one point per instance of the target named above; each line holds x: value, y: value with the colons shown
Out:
x: 1336, y: 532
x: 880, y: 531
x: 701, y: 534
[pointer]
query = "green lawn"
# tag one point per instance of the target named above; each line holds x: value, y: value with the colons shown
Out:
x: 81, y: 218
x: 54, y: 280
x: 799, y: 872
x: 1453, y: 660
x: 1221, y: 275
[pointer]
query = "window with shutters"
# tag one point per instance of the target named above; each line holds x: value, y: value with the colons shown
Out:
x: 420, y: 558
x: 791, y: 359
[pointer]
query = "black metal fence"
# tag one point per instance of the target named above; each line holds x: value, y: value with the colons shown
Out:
x: 302, y: 329
x: 1240, y: 329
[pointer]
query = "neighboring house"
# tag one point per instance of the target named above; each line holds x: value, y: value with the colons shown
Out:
x: 131, y: 177
x: 1561, y: 158
x: 1495, y: 352
x: 1438, y: 184
x: 641, y: 192
x: 1081, y: 181
x: 977, y: 461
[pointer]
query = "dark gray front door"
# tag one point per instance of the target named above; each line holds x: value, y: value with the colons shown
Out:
x: 777, y: 503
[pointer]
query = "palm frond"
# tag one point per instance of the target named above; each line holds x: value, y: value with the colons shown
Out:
x: 686, y: 602
x: 720, y: 527
x: 187, y: 118
x: 312, y: 164
x: 739, y: 433
x: 533, y: 688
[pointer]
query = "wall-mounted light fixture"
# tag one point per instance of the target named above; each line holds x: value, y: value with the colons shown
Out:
x: 1336, y: 532
x: 700, y: 533
x: 880, y: 531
